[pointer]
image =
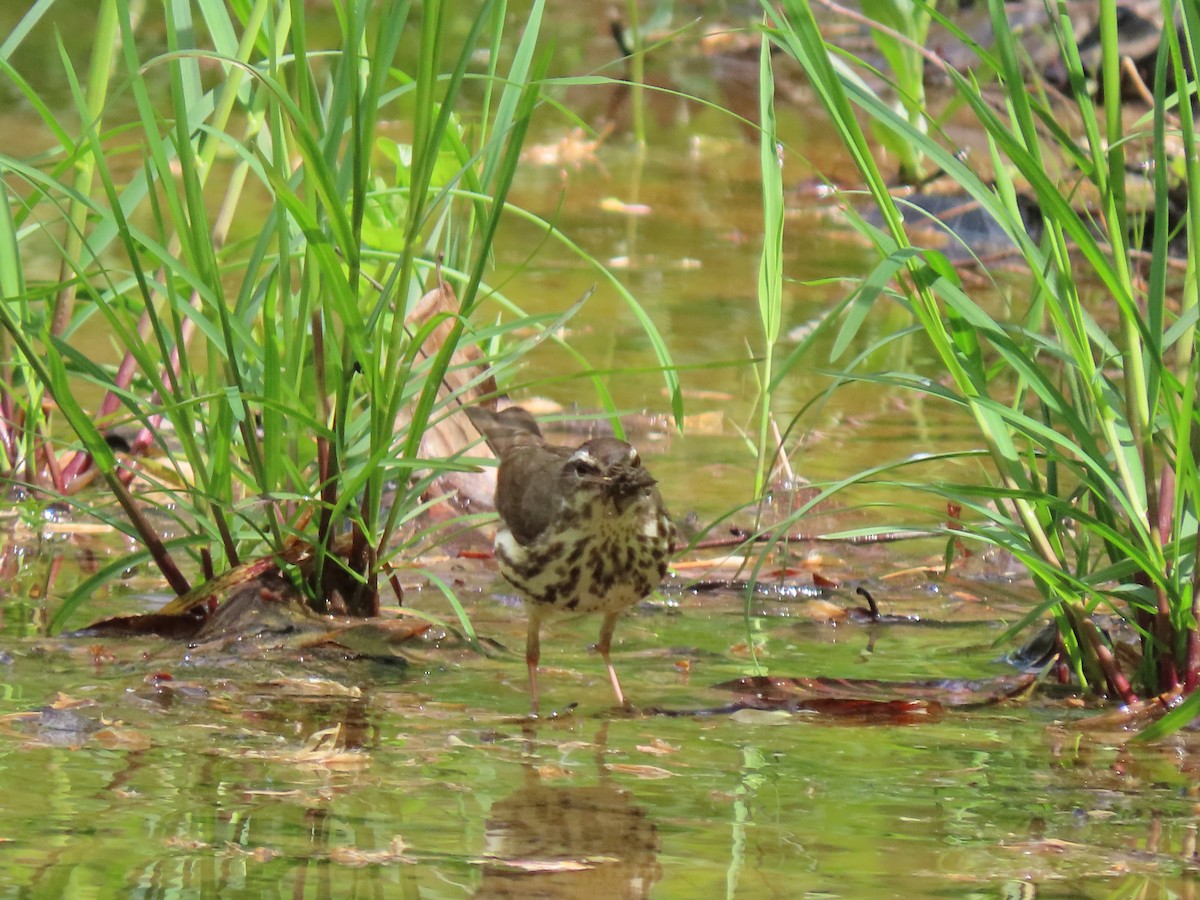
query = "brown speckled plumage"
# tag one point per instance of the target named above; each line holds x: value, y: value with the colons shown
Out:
x: 581, y: 529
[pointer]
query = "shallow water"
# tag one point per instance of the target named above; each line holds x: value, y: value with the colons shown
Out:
x: 117, y: 780
x: 435, y: 787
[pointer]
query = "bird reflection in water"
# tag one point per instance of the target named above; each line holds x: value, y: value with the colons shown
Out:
x: 565, y: 842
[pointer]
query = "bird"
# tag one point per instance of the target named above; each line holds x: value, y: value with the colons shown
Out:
x: 582, y: 529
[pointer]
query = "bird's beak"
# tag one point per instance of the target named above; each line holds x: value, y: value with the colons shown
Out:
x: 625, y: 484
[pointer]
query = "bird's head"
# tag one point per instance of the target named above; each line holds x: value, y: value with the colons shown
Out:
x: 611, y: 469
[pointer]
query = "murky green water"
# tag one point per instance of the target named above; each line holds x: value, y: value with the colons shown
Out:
x: 211, y: 782
x: 117, y: 781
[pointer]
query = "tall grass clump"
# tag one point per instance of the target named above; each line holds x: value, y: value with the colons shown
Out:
x: 1085, y: 413
x: 227, y: 213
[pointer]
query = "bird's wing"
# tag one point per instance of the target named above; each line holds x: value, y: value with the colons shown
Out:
x: 528, y: 494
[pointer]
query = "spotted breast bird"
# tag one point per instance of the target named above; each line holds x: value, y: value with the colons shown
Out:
x: 582, y: 529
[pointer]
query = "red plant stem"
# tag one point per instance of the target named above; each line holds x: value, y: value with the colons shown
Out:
x: 394, y: 581
x: 52, y: 467
x: 52, y: 574
x: 109, y: 404
x: 145, y: 437
x: 1117, y: 682
x: 8, y: 438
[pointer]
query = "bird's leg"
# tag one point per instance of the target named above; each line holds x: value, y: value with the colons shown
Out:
x: 606, y: 635
x: 533, y: 653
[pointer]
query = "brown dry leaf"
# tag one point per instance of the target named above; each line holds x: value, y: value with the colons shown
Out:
x: 325, y: 748
x: 744, y: 650
x: 646, y: 772
x: 352, y: 856
x: 616, y: 205
x: 914, y: 570
x: 265, y: 793
x: 824, y: 611
x: 870, y: 698
x: 373, y: 638
x: 313, y: 687
x: 453, y: 434
x: 545, y: 865
x: 325, y: 740
x: 658, y: 747
x: 714, y: 568
x: 258, y: 854
x: 174, y: 842
x: 761, y: 717
x: 8, y: 718
x: 62, y: 701
x: 824, y: 581
x: 704, y: 423
x: 76, y: 528
x: 118, y: 738
x: 574, y: 150
x: 568, y: 746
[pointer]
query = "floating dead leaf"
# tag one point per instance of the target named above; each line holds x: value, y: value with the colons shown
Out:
x: 353, y: 856
x: 265, y: 793
x: 174, y: 842
x: 1044, y: 845
x: 748, y: 716
x: 118, y: 738
x: 325, y: 740
x: 325, y: 748
x: 613, y: 205
x: 573, y: 150
x: 1132, y: 716
x: 658, y: 747
x: 745, y: 651
x: 11, y: 718
x: 568, y: 746
x: 77, y: 528
x: 543, y: 865
x: 871, y: 700
x: 62, y: 701
x: 823, y: 582
x: 704, y: 423
x: 824, y: 611
x: 373, y: 638
x: 637, y: 771
x: 313, y: 687
x: 711, y: 568
x: 258, y: 854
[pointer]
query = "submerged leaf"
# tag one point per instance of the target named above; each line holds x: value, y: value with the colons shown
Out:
x: 855, y: 696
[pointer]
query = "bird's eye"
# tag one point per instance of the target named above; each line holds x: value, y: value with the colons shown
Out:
x: 583, y: 468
